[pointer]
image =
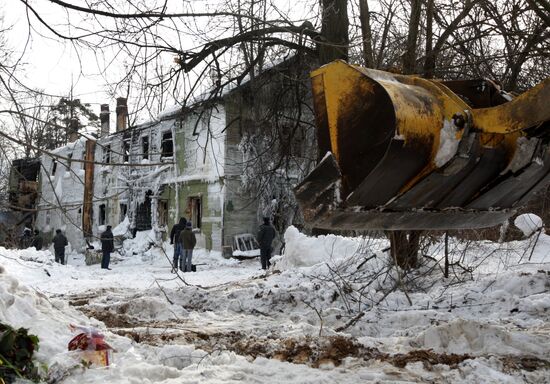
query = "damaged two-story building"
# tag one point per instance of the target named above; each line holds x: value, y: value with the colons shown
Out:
x: 222, y: 163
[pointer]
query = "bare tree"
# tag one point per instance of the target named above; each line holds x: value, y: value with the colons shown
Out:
x: 366, y: 30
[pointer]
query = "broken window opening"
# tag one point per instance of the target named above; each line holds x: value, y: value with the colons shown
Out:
x: 145, y: 147
x: 194, y: 207
x: 123, y: 212
x: 163, y: 212
x: 167, y: 145
x: 107, y: 154
x: 143, y: 213
x: 126, y: 150
x: 102, y: 214
x: 54, y: 167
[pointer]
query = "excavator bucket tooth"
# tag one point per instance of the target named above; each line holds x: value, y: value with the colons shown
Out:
x: 400, y: 164
x: 429, y: 192
x: 318, y: 191
x: 487, y: 168
x: 514, y: 188
x: 542, y: 185
x: 409, y: 153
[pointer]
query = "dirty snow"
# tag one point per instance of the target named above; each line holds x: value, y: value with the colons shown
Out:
x: 230, y: 322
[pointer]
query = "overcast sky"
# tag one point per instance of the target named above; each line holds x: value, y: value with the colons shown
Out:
x: 55, y: 66
x: 50, y: 64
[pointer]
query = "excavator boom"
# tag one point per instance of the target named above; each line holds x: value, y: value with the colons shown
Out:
x: 407, y: 153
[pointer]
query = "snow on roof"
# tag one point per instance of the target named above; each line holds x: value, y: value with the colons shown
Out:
x: 207, y: 178
x: 81, y: 141
x: 227, y: 88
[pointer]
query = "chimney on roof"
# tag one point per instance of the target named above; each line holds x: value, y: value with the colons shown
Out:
x: 104, y: 118
x: 121, y: 114
x: 72, y: 132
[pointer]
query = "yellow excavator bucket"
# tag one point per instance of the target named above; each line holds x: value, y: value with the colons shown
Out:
x: 406, y: 153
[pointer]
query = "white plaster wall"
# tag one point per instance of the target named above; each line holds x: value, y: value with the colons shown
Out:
x: 109, y: 186
x: 65, y: 188
x: 215, y: 201
x: 204, y: 149
x: 204, y: 161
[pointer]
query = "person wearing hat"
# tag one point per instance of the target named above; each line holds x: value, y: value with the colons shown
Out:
x: 59, y: 242
x: 188, y: 242
x: 266, y: 234
x: 174, y: 239
x: 37, y: 241
x: 107, y: 246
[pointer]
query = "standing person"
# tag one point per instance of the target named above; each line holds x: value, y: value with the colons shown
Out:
x: 26, y: 238
x: 107, y: 246
x: 59, y: 243
x: 188, y: 242
x: 174, y: 239
x: 266, y: 234
x: 37, y: 241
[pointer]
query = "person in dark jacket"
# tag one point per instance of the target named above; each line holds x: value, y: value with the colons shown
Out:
x: 107, y: 246
x: 188, y: 241
x: 174, y: 239
x: 59, y: 243
x: 37, y: 242
x: 266, y: 234
x: 26, y: 238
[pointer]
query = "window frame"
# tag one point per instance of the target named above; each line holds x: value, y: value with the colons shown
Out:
x: 163, y: 154
x: 195, y: 210
x: 126, y: 150
x: 145, y: 147
x: 102, y: 214
x: 107, y: 154
x: 54, y: 167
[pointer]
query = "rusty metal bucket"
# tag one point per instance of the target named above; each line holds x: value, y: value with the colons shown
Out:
x: 402, y: 152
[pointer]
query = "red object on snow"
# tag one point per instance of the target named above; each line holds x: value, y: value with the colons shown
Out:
x: 89, y: 340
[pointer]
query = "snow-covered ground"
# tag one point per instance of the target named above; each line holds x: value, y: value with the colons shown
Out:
x: 331, y: 310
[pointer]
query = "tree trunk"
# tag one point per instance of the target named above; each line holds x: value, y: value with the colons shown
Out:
x: 429, y: 65
x: 383, y: 41
x: 404, y: 248
x: 334, y: 41
x: 364, y: 15
x: 409, y: 58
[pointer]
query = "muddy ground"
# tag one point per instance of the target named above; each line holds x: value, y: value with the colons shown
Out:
x: 315, y: 351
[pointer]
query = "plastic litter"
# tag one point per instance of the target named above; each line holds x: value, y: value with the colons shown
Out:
x: 90, y: 345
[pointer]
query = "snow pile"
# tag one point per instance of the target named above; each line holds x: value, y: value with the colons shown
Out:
x: 21, y: 306
x: 475, y: 338
x: 29, y: 254
x: 448, y: 144
x: 528, y: 223
x: 123, y: 228
x: 250, y: 253
x: 142, y: 242
x: 493, y: 310
x: 141, y: 308
x: 304, y: 251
